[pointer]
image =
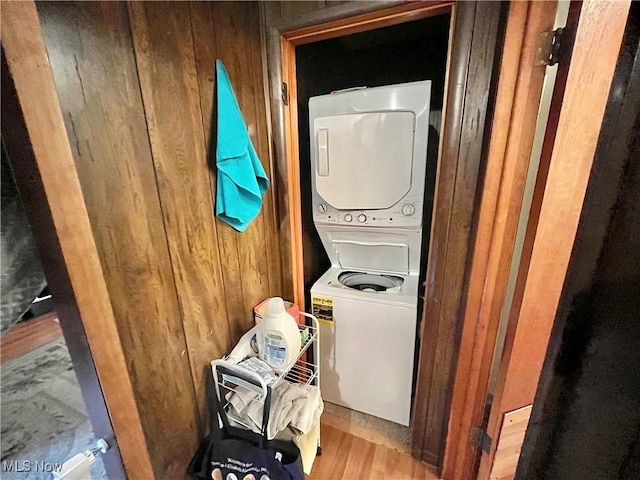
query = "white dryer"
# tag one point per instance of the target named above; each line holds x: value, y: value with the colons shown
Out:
x: 368, y: 154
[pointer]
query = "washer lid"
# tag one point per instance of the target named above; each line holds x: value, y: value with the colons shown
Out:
x: 363, y: 160
x: 385, y: 257
x: 369, y: 282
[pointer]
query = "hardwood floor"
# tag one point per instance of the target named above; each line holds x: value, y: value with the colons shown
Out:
x: 347, y: 452
x: 29, y: 335
x: 346, y: 456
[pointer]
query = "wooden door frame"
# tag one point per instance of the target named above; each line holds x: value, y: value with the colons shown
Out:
x: 552, y: 228
x: 459, y: 175
x: 514, y: 121
x: 43, y: 164
x: 514, y: 124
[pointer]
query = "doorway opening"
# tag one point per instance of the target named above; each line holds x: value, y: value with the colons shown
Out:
x: 412, y: 51
x: 475, y: 40
x: 44, y: 418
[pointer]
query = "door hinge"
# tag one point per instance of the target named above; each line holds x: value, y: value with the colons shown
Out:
x: 285, y: 93
x: 555, y: 46
x: 480, y: 437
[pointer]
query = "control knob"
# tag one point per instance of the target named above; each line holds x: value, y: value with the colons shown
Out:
x: 362, y: 218
x: 408, y: 209
x: 348, y: 217
x: 322, y: 208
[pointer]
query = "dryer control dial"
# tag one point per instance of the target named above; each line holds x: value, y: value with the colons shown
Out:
x: 322, y: 208
x: 348, y: 217
x: 362, y: 218
x: 408, y: 209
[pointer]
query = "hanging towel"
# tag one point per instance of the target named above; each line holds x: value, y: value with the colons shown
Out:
x: 241, y: 179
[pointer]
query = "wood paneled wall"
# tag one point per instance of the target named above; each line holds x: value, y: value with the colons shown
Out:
x: 283, y: 10
x: 135, y: 83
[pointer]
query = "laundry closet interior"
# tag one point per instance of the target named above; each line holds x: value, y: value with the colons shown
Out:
x: 404, y: 51
x: 370, y: 303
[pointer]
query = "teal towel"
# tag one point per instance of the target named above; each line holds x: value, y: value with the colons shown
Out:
x: 241, y: 179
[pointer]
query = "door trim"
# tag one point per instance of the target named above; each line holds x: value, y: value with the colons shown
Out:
x: 514, y: 124
x: 47, y: 178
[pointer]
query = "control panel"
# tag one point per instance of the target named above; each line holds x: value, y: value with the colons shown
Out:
x: 406, y: 213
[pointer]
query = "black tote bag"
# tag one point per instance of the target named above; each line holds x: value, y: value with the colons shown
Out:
x: 234, y: 453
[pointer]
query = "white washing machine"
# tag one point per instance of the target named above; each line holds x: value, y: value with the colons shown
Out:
x: 368, y: 155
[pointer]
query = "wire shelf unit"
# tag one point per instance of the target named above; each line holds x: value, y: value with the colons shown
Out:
x: 302, y: 371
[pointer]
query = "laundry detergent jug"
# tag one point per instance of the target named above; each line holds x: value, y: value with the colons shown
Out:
x: 278, y: 336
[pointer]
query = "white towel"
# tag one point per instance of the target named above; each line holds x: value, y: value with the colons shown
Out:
x: 309, y: 414
x: 290, y: 405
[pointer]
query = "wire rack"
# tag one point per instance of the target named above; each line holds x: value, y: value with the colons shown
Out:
x: 303, y: 371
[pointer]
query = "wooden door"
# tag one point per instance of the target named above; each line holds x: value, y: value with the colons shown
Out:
x: 36, y: 141
x: 551, y: 231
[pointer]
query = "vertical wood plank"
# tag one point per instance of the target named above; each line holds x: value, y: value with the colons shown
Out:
x: 254, y: 273
x: 293, y: 9
x: 94, y: 67
x: 509, y: 443
x: 168, y: 78
x: 272, y: 11
x: 206, y: 47
x: 258, y: 57
x: 459, y: 45
x: 476, y: 106
x: 293, y: 172
x: 472, y: 53
x: 231, y: 27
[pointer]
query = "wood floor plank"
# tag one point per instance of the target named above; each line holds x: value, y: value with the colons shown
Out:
x: 378, y: 464
x: 362, y: 431
x: 359, y: 459
x: 29, y: 335
x: 345, y: 456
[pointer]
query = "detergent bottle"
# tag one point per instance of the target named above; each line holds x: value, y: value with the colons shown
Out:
x: 278, y: 336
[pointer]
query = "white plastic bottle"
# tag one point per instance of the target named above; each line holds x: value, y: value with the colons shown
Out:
x: 244, y: 348
x: 278, y: 336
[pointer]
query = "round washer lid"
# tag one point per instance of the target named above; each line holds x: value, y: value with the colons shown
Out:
x: 369, y: 282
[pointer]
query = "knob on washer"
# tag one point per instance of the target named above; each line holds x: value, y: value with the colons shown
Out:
x: 348, y: 217
x: 408, y: 209
x: 322, y: 208
x: 362, y: 218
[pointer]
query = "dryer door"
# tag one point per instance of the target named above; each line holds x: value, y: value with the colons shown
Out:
x: 363, y: 161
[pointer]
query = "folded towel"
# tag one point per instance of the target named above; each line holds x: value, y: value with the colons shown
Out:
x: 241, y: 179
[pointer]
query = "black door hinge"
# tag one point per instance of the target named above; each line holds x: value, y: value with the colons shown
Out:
x: 480, y: 437
x: 555, y: 46
x: 285, y: 93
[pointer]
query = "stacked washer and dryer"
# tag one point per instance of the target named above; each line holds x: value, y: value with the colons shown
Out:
x: 368, y: 158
